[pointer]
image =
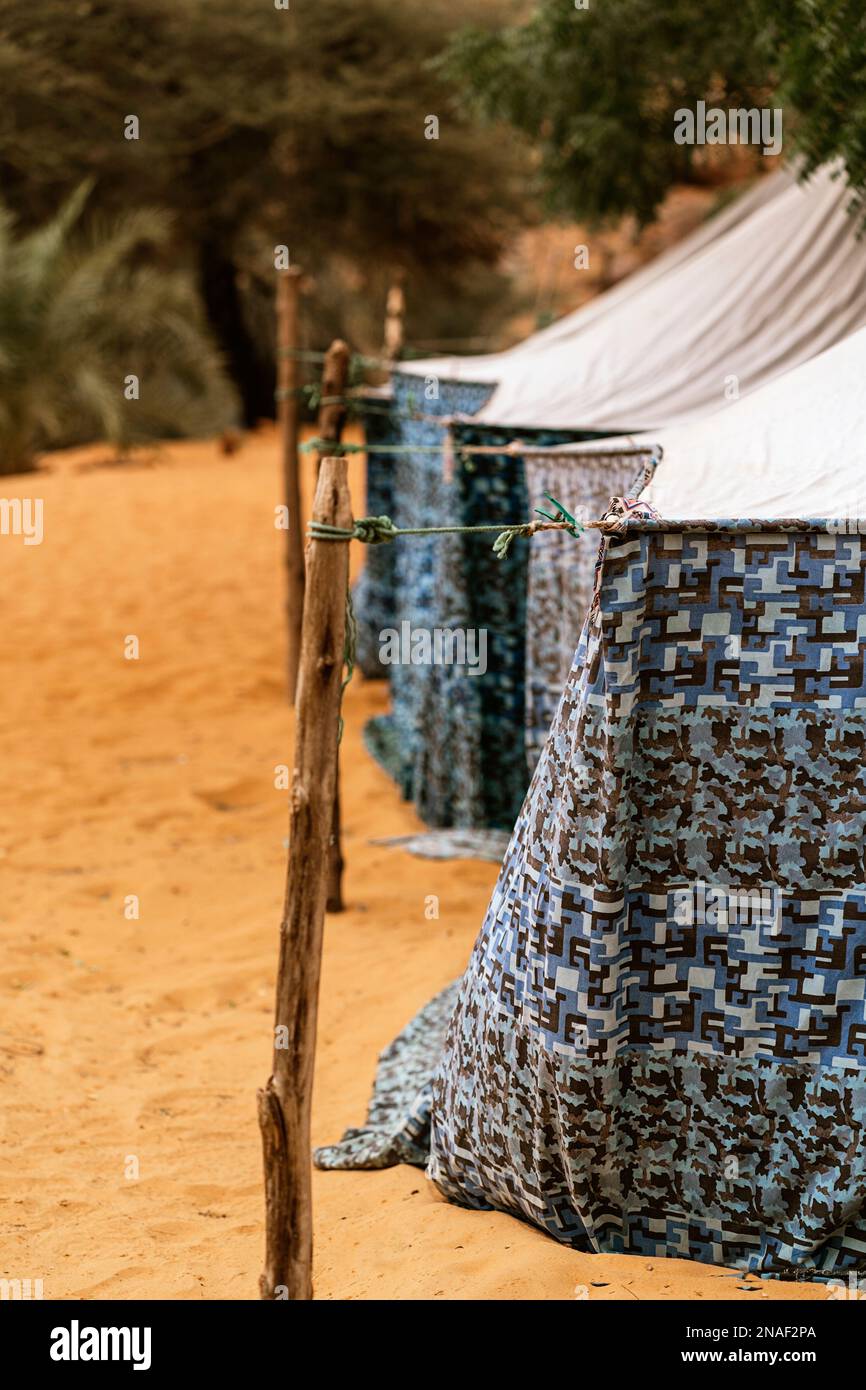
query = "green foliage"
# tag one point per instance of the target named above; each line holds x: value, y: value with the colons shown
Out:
x: 261, y: 126
x: 598, y: 87
x: 821, y: 48
x: 81, y: 312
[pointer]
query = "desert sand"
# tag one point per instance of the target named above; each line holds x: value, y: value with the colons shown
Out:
x: 131, y: 1050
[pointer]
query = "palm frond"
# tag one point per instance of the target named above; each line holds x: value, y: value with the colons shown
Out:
x: 81, y: 310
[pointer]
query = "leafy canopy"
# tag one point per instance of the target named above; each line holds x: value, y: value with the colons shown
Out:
x: 597, y: 88
x: 302, y: 126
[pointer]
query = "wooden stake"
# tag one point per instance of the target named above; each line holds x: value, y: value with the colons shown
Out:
x: 284, y: 1104
x: 288, y: 411
x: 332, y: 417
x: 395, y: 316
x: 335, y: 382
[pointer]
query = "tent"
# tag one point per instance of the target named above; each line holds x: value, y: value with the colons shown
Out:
x: 777, y: 288
x: 373, y: 592
x: 561, y: 568
x: 460, y: 386
x: 797, y: 447
x: 774, y: 287
x: 423, y: 496
x: 660, y: 1042
x: 498, y: 368
x: 659, y: 1045
x: 782, y: 455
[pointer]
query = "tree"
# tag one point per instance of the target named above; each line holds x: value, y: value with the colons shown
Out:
x: 598, y: 87
x: 99, y: 338
x: 260, y: 126
x: 821, y: 54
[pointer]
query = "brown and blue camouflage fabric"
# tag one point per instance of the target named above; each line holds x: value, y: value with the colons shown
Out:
x: 562, y: 569
x: 659, y: 1045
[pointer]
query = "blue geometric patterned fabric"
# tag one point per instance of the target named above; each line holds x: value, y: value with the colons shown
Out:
x: 660, y: 1042
x: 492, y: 490
x: 421, y: 496
x: 373, y: 592
x: 448, y: 726
x: 561, y: 575
x: 450, y: 740
x: 397, y: 1129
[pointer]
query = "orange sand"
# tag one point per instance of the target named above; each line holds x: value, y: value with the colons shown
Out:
x: 146, y: 1040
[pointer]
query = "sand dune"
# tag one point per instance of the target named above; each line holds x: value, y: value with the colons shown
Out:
x: 131, y: 1049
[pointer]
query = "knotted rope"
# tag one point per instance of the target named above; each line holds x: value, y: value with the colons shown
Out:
x: 378, y: 530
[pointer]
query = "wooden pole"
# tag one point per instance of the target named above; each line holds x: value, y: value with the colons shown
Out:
x: 332, y: 417
x: 395, y: 316
x: 335, y: 382
x: 284, y: 1104
x: 288, y: 411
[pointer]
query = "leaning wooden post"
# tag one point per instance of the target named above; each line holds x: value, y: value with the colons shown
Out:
x: 395, y: 318
x: 284, y: 1104
x: 332, y: 417
x: 335, y: 383
x: 288, y: 410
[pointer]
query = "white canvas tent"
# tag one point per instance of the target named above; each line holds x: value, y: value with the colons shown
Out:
x: 566, y: 333
x: 795, y: 448
x: 780, y: 285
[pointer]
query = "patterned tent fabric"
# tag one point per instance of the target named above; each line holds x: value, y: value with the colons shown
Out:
x: 659, y: 1045
x: 449, y: 742
x: 452, y: 844
x: 562, y: 570
x: 422, y: 496
x: 662, y: 1024
x: 373, y: 593
x: 491, y: 489
x: 398, y: 1117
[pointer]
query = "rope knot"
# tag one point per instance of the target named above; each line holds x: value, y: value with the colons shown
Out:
x: 503, y: 541
x: 374, y: 530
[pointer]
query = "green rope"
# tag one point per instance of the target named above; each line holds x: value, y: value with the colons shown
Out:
x: 464, y: 452
x: 502, y: 544
x: 355, y: 405
x: 356, y: 359
x: 377, y: 530
x: 335, y: 450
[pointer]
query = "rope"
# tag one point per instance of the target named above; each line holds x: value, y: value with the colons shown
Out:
x: 362, y: 405
x: 356, y: 358
x: 334, y: 450
x: 517, y: 449
x: 377, y: 530
x: 354, y: 405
